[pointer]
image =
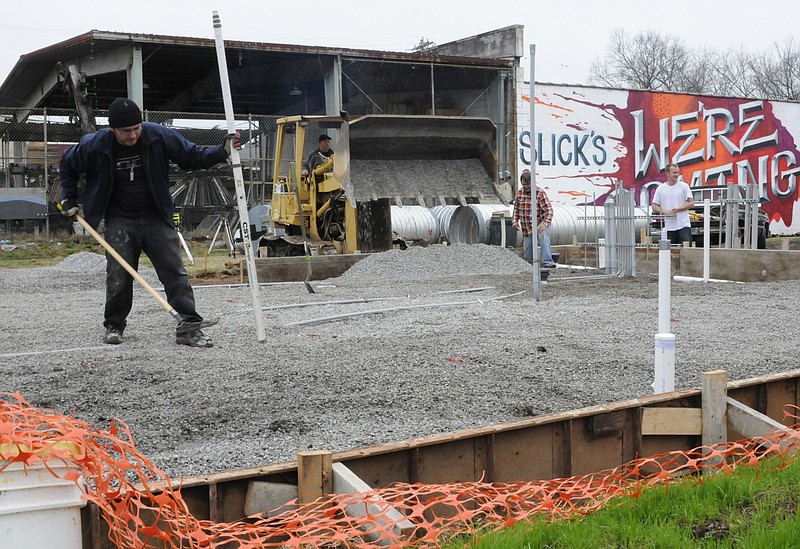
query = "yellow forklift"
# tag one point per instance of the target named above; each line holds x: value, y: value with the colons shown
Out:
x: 344, y: 205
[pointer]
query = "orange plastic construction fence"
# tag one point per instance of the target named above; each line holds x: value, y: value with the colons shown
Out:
x: 108, y: 469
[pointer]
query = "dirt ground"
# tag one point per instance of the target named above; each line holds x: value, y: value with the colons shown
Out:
x: 405, y: 344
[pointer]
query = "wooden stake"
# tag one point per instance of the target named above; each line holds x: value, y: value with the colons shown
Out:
x: 314, y: 475
x: 715, y: 410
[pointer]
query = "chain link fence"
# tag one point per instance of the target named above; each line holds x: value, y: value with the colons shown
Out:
x: 30, y: 153
x: 371, y: 86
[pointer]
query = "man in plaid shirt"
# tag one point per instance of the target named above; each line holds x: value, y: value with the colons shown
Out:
x: 522, y: 220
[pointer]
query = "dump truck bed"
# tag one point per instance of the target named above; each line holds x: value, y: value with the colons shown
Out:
x: 428, y: 158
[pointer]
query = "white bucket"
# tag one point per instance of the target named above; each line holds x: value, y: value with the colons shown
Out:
x: 38, y: 510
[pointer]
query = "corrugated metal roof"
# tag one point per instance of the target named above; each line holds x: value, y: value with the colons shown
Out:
x: 177, y: 69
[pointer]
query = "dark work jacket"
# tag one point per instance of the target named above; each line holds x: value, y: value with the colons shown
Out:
x: 158, y: 144
x: 316, y: 159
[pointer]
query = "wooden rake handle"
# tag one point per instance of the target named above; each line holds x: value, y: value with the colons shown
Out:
x: 125, y: 265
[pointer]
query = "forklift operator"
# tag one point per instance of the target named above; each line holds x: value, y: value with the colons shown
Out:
x: 319, y: 156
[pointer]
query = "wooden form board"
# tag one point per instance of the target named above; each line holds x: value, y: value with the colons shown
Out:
x: 295, y: 269
x: 672, y: 421
x: 527, y: 449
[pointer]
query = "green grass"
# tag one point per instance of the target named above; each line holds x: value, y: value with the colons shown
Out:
x: 754, y: 507
x: 33, y: 252
x: 30, y: 252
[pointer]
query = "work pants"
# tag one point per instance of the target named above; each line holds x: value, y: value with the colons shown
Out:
x: 678, y: 237
x: 159, y: 240
x: 544, y: 242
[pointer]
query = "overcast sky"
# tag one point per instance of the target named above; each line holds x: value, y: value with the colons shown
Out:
x: 568, y: 35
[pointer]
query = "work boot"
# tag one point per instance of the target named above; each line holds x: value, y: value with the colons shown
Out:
x: 113, y: 336
x: 195, y: 338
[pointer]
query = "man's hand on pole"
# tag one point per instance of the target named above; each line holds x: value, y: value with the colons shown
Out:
x: 69, y: 207
x: 234, y: 141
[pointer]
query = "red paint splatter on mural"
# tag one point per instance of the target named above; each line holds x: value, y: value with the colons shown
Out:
x: 713, y: 139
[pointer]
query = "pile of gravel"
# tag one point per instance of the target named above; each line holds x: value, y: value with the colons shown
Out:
x: 439, y: 260
x: 90, y: 264
x: 446, y: 338
x: 82, y: 262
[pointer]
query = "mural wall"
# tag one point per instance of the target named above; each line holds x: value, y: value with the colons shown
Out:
x: 588, y: 138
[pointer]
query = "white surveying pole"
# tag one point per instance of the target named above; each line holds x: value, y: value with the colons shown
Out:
x: 238, y: 178
x: 537, y: 274
x: 664, y: 340
x: 706, y: 239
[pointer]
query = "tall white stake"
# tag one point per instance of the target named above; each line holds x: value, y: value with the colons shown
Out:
x: 537, y: 273
x: 706, y: 239
x: 664, y: 340
x: 238, y: 178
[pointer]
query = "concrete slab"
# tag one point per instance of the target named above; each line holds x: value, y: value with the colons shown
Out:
x: 742, y: 265
x: 725, y: 264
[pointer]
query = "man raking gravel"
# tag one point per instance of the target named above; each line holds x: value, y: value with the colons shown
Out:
x: 127, y: 184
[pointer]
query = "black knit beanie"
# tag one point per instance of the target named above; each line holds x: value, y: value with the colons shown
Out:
x: 123, y: 113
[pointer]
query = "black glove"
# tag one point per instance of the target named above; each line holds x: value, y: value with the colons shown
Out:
x: 69, y: 207
x: 231, y: 142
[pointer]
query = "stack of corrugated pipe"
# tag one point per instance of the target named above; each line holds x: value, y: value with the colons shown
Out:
x: 472, y: 224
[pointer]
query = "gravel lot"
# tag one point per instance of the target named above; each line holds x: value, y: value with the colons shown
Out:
x: 446, y: 359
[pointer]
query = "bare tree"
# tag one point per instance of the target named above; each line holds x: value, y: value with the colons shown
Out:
x: 731, y: 75
x: 653, y: 61
x: 648, y: 61
x: 697, y: 74
x: 777, y: 75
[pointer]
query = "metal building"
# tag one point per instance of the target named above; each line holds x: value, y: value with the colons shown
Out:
x: 176, y: 78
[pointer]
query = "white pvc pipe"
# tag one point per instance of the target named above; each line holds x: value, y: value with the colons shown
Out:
x: 465, y: 290
x: 664, y: 381
x: 678, y: 278
x: 664, y: 340
x: 706, y: 238
x: 664, y: 272
x: 601, y: 253
x: 502, y: 230
x: 611, y: 235
x: 202, y: 286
